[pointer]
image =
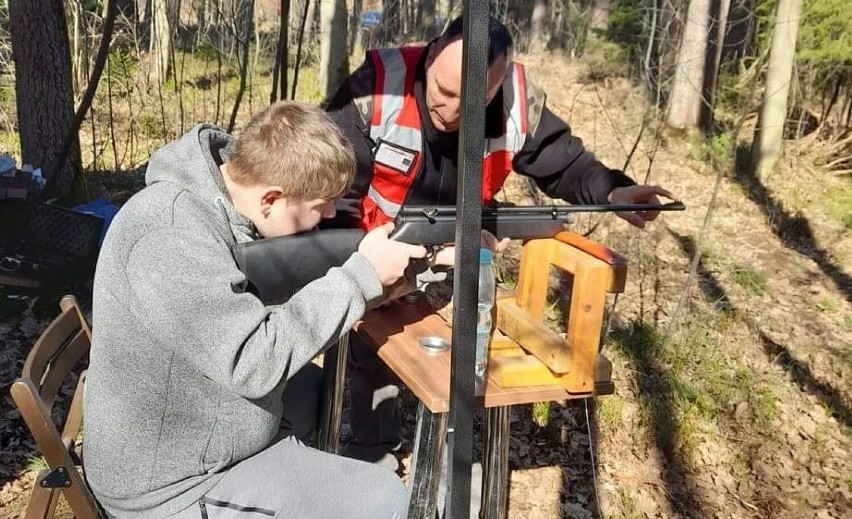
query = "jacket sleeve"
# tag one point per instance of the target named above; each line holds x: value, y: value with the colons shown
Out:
x: 557, y: 160
x: 183, y: 287
x: 351, y: 109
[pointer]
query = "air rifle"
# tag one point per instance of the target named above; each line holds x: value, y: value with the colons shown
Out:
x: 276, y: 268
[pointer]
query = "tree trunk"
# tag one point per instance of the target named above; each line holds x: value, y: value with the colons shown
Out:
x: 427, y: 20
x: 404, y: 16
x: 769, y: 134
x: 160, y: 42
x: 79, y: 72
x: 539, y: 13
x: 334, y: 60
x: 244, y: 24
x: 355, y: 25
x: 282, y: 54
x: 306, y: 7
x: 391, y: 21
x: 685, y: 100
x: 713, y: 59
x: 308, y: 36
x: 652, y: 55
x: 43, y: 90
x: 599, y: 21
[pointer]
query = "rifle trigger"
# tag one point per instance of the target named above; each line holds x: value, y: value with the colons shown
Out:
x: 432, y: 251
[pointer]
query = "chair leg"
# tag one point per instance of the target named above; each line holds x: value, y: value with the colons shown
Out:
x: 495, y: 480
x: 331, y: 398
x: 426, y: 463
x: 43, y: 501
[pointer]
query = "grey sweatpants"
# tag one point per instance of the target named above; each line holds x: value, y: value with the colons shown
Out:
x: 290, y: 479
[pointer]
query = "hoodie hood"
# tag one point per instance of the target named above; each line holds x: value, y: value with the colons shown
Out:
x: 192, y: 163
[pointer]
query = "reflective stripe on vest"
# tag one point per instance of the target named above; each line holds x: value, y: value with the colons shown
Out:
x: 396, y: 123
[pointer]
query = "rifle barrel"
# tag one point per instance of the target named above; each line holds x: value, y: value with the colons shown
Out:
x: 537, y: 211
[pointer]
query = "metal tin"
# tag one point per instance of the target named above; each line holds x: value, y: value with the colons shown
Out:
x: 434, y: 345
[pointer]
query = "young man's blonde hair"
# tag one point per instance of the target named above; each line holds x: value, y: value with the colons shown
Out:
x: 297, y: 147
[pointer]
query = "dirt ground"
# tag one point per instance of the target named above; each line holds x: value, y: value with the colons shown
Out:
x: 733, y: 398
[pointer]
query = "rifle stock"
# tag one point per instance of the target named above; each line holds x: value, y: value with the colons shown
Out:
x: 277, y: 268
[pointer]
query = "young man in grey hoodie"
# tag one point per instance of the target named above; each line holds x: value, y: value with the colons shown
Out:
x: 183, y: 401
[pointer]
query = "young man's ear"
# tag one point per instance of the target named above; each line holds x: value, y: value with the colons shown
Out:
x: 268, y: 198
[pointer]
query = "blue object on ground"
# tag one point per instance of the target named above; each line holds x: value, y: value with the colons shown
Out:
x: 370, y: 19
x: 102, y: 208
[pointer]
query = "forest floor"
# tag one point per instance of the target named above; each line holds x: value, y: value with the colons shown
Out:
x: 733, y: 386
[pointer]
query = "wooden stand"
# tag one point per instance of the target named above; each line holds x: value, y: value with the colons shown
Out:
x: 524, y: 351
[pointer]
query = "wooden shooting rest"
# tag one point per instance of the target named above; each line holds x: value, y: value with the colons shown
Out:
x: 525, y: 352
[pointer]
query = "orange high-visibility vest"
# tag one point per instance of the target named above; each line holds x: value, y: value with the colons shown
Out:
x: 395, y: 128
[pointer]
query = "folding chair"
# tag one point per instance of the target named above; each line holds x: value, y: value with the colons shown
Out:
x: 57, y: 351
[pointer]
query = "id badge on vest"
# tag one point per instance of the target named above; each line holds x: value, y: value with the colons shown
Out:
x: 401, y: 160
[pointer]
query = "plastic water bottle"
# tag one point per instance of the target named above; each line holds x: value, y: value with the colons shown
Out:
x: 486, y: 302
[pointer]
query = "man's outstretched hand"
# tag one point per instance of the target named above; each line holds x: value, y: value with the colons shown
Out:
x: 639, y: 195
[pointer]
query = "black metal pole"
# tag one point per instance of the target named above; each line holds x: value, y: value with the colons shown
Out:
x: 465, y: 285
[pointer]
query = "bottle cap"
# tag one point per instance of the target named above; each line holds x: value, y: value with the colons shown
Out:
x: 484, y: 256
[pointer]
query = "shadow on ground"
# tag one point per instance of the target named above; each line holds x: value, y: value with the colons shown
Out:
x: 793, y: 229
x: 777, y: 353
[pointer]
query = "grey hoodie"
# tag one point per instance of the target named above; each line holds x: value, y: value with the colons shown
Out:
x: 187, y: 369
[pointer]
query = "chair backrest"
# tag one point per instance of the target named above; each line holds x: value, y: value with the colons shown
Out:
x: 57, y: 351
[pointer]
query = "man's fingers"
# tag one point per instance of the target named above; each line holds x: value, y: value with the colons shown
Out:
x: 501, y: 246
x: 491, y: 241
x: 649, y: 216
x: 488, y: 239
x: 388, y: 228
x: 446, y: 257
x: 657, y: 190
x: 632, y: 218
x: 416, y: 251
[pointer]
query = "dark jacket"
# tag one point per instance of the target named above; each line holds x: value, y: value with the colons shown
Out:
x: 552, y: 157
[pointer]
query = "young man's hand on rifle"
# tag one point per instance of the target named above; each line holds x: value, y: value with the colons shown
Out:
x: 389, y: 257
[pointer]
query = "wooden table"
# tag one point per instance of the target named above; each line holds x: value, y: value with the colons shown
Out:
x: 394, y: 332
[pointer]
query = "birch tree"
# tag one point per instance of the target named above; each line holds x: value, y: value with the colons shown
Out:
x: 768, y: 142
x: 686, y: 95
x: 334, y: 59
x: 539, y: 13
x: 159, y: 44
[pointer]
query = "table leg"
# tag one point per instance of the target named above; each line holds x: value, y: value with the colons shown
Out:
x: 426, y: 462
x: 331, y: 400
x: 495, y: 473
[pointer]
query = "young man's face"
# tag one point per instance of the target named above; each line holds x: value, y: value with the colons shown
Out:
x: 282, y: 217
x: 444, y: 81
x: 272, y: 213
